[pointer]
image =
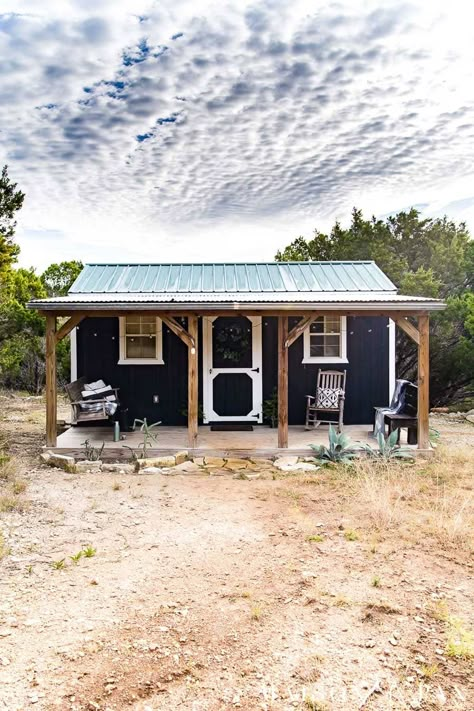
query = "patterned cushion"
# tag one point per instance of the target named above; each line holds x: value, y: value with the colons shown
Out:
x: 328, y: 398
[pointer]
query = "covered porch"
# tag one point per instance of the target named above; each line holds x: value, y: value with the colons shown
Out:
x: 264, y: 440
x: 261, y: 442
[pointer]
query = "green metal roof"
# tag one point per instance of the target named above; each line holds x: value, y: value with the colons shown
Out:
x: 235, y: 278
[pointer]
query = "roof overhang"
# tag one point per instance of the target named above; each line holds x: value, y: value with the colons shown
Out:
x: 379, y: 306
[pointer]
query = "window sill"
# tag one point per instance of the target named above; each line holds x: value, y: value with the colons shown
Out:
x: 324, y: 360
x: 140, y: 361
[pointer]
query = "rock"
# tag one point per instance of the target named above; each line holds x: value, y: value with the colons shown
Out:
x: 199, y: 461
x: 119, y: 468
x: 86, y: 465
x: 439, y: 409
x: 470, y: 412
x: 236, y: 464
x: 285, y: 462
x: 470, y: 418
x: 151, y: 470
x: 156, y: 462
x: 214, y: 461
x: 181, y: 456
x: 68, y: 464
x: 186, y: 468
x: 45, y: 457
x: 303, y: 467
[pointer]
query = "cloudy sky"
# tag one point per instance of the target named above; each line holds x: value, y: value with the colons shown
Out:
x: 221, y: 130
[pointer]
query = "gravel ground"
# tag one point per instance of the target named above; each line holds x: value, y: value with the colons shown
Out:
x: 205, y: 593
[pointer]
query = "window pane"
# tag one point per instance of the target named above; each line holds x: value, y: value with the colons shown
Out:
x: 332, y: 324
x: 136, y: 325
x: 331, y: 346
x: 141, y: 347
x: 317, y: 326
x: 316, y: 346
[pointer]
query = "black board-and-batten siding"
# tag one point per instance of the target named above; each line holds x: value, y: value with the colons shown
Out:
x: 367, y: 370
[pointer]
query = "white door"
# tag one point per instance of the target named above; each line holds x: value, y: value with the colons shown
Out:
x: 232, y: 368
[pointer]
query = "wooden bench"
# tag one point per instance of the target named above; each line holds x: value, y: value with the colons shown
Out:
x: 396, y: 422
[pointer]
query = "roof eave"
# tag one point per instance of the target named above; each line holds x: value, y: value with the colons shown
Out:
x: 349, y: 306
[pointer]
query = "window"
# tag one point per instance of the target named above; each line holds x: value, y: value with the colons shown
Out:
x: 325, y: 340
x: 140, y: 340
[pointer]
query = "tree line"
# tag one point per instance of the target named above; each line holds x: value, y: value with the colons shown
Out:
x: 22, y: 332
x: 431, y: 257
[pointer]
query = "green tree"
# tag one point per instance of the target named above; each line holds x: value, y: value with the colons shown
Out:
x: 58, y: 278
x: 423, y: 257
x: 11, y: 200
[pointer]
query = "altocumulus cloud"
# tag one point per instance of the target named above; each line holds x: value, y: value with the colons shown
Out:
x: 168, y: 124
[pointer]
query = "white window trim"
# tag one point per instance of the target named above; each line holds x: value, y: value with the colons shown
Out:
x: 123, y: 360
x: 342, y: 358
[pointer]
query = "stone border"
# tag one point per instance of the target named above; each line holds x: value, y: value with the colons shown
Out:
x: 182, y: 463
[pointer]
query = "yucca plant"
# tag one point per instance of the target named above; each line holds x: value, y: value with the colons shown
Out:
x: 341, y: 448
x: 388, y: 448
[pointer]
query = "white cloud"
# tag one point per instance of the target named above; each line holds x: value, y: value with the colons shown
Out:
x: 223, y: 130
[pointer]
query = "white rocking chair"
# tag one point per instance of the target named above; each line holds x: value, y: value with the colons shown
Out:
x: 330, y: 394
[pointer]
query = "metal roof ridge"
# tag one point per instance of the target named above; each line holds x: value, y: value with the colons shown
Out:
x: 230, y: 263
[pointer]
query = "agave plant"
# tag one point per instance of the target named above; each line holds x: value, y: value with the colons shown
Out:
x: 340, y: 449
x: 388, y: 448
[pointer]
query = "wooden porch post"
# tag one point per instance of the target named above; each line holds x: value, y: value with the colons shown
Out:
x: 423, y: 382
x: 51, y: 404
x: 282, y: 382
x: 193, y: 382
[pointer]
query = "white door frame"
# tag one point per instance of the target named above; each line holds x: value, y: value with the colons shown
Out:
x: 209, y: 373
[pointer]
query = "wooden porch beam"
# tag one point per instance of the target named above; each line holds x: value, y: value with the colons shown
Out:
x: 51, y: 404
x: 67, y: 327
x: 409, y: 329
x: 282, y: 382
x: 178, y: 330
x: 193, y: 382
x: 424, y: 383
x: 297, y: 330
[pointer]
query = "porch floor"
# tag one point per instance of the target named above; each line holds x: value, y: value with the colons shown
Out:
x: 262, y: 441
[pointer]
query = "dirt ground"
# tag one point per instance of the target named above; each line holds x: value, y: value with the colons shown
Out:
x: 343, y: 589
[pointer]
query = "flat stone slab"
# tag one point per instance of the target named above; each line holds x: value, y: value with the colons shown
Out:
x: 62, y: 461
x: 299, y: 467
x: 187, y: 468
x: 214, y: 461
x: 152, y: 470
x: 235, y: 464
x: 470, y: 418
x: 86, y: 465
x: 285, y: 462
x: 156, y: 462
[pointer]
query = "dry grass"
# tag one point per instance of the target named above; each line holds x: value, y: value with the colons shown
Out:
x: 433, y: 497
x: 8, y: 469
x: 460, y: 639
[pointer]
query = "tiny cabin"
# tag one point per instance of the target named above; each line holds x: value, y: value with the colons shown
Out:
x: 195, y: 345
